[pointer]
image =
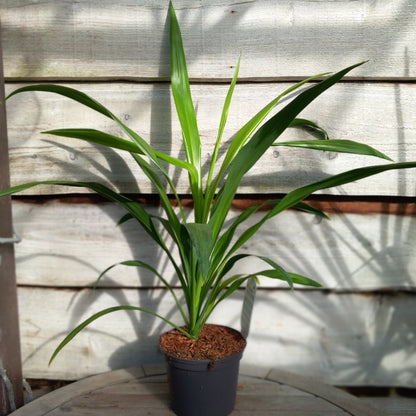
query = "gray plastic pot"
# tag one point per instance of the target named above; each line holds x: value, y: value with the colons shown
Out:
x: 203, y: 387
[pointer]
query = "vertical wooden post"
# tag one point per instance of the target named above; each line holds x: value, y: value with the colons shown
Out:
x: 10, y: 357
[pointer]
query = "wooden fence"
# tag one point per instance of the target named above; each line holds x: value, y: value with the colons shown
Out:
x: 360, y: 330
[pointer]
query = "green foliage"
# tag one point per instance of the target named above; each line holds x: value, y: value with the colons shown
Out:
x: 207, y: 250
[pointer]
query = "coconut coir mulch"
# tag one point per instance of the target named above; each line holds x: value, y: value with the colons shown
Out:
x: 215, y: 342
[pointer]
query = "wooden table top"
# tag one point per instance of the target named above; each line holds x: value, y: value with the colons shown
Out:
x: 143, y: 391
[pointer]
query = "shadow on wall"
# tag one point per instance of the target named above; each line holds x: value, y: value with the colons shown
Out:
x: 290, y: 32
x: 360, y: 330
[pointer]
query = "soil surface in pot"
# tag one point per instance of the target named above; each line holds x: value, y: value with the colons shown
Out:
x: 215, y: 342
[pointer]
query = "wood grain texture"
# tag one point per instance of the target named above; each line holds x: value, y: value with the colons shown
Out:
x: 132, y: 394
x: 380, y: 115
x: 336, y: 397
x: 393, y: 406
x: 342, y: 339
x: 69, y: 243
x: 130, y: 39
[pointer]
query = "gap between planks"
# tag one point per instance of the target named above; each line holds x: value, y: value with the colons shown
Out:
x: 338, y: 204
x: 245, y: 80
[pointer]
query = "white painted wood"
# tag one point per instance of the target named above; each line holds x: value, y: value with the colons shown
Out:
x: 380, y: 115
x: 69, y: 244
x: 130, y: 38
x: 342, y: 339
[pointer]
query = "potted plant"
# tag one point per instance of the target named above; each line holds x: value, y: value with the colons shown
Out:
x: 201, y: 355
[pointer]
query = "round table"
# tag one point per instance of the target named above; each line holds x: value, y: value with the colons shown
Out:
x: 143, y: 391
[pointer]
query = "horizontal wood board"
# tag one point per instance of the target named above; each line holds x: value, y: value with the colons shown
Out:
x: 277, y: 39
x: 380, y: 115
x: 141, y: 380
x: 68, y: 243
x: 343, y: 339
x: 140, y: 391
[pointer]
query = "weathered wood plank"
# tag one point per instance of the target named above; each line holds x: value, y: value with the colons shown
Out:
x: 146, y: 396
x: 130, y: 38
x: 342, y: 339
x: 394, y: 406
x: 60, y: 396
x: 68, y: 243
x: 341, y: 399
x: 255, y: 405
x: 380, y: 115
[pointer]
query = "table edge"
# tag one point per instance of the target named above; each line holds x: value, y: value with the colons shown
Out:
x: 54, y: 399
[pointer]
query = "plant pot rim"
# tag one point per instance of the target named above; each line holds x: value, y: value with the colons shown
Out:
x: 204, y: 360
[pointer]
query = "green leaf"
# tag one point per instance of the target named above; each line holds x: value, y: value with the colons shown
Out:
x: 229, y: 286
x: 309, y: 125
x: 222, y: 243
x: 132, y: 207
x: 246, y: 131
x: 295, y: 278
x: 229, y: 264
x: 96, y: 136
x: 260, y: 142
x: 105, y: 139
x: 125, y: 218
x: 278, y: 270
x: 297, y: 195
x: 132, y: 263
x: 167, y: 206
x: 141, y: 264
x: 142, y: 145
x: 97, y: 315
x: 303, y: 206
x: 340, y: 146
x: 201, y: 238
x: 184, y: 107
x: 69, y: 93
x: 210, y: 188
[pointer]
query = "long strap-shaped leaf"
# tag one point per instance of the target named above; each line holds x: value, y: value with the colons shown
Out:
x: 141, y: 264
x: 136, y: 210
x: 185, y: 108
x: 143, y: 147
x: 297, y: 195
x: 115, y: 142
x: 261, y: 141
x: 336, y: 145
x: 224, y: 288
x: 90, y: 102
x: 247, y: 130
x: 221, y: 244
x: 72, y: 93
x: 96, y: 136
x: 310, y: 126
x: 97, y: 315
x: 210, y: 185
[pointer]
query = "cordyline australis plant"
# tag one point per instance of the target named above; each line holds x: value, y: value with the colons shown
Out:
x: 208, y: 251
